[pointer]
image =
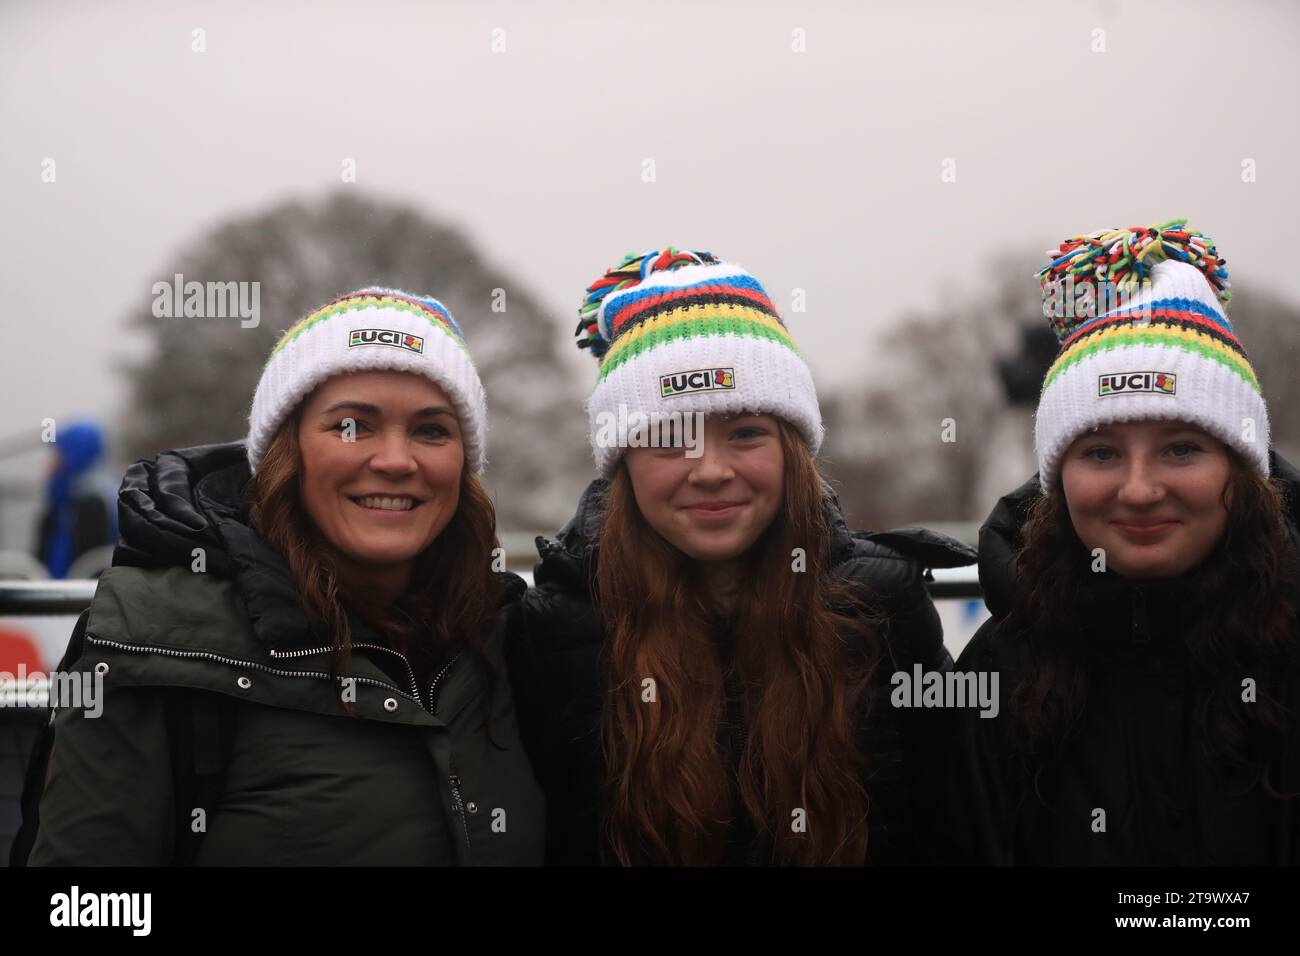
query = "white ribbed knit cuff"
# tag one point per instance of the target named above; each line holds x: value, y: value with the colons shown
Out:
x: 322, y: 351
x: 770, y: 379
x: 1208, y: 394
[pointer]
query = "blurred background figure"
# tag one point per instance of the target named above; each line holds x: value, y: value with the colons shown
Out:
x: 80, y: 515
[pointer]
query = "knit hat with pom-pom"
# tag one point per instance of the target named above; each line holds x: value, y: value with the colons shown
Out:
x: 1144, y: 338
x: 684, y: 332
x: 370, y: 330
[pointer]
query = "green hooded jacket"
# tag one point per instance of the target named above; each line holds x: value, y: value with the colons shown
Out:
x: 414, y: 776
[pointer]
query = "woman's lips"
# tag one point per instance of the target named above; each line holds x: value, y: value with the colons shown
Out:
x: 715, y: 510
x: 387, y: 513
x: 1145, y: 531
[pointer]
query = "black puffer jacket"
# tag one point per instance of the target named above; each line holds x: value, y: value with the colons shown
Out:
x: 556, y: 671
x: 1137, y: 753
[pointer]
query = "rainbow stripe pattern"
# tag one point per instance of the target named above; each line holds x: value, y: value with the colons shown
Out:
x: 624, y: 316
x: 426, y: 307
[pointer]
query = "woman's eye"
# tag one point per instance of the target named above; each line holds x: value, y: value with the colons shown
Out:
x: 748, y: 433
x: 1100, y: 453
x: 433, y: 431
x: 349, y: 423
x: 1184, y: 449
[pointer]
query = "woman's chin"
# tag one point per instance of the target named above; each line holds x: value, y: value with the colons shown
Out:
x: 380, y: 559
x: 1150, y: 566
x: 710, y: 548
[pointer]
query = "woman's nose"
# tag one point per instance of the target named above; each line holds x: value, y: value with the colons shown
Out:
x: 712, y: 467
x: 1141, y: 485
x: 393, y: 454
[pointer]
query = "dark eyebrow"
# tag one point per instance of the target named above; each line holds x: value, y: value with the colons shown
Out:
x: 369, y: 409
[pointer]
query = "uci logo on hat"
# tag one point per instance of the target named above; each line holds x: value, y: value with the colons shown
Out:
x: 401, y: 340
x: 1120, y: 383
x: 699, y: 380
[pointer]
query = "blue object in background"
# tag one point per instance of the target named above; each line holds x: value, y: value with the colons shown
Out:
x: 79, y: 448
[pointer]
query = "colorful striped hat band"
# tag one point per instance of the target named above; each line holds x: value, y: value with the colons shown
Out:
x: 685, y: 332
x: 1144, y: 338
x: 370, y: 330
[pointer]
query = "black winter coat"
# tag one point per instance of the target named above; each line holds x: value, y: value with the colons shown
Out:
x: 1137, y: 753
x: 555, y: 663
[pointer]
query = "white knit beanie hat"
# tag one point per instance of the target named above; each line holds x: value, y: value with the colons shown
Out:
x: 1168, y: 353
x: 679, y: 331
x: 369, y: 330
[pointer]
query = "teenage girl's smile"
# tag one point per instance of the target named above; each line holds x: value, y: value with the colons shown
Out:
x: 715, y: 506
x: 715, y: 510
x: 1150, y: 495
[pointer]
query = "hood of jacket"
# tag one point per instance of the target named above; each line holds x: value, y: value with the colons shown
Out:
x: 1000, y: 539
x: 188, y: 504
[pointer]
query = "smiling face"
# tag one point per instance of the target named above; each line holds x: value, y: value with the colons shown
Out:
x: 383, y: 490
x: 1150, y: 494
x: 714, y: 507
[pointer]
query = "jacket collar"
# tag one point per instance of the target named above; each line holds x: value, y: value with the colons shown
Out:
x: 190, y: 499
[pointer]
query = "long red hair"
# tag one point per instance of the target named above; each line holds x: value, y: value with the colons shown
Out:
x: 804, y: 651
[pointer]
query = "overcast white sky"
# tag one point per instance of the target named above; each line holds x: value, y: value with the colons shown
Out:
x: 818, y: 170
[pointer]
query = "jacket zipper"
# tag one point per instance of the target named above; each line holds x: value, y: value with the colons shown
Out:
x: 458, y: 802
x: 457, y: 797
x: 410, y: 671
x: 237, y: 662
x: 433, y: 701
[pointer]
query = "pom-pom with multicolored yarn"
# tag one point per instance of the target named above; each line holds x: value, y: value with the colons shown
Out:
x: 630, y: 272
x: 1124, y: 258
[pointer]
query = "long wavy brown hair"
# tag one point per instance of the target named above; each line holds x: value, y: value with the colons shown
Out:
x: 1241, y: 623
x: 804, y: 649
x: 453, y: 595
